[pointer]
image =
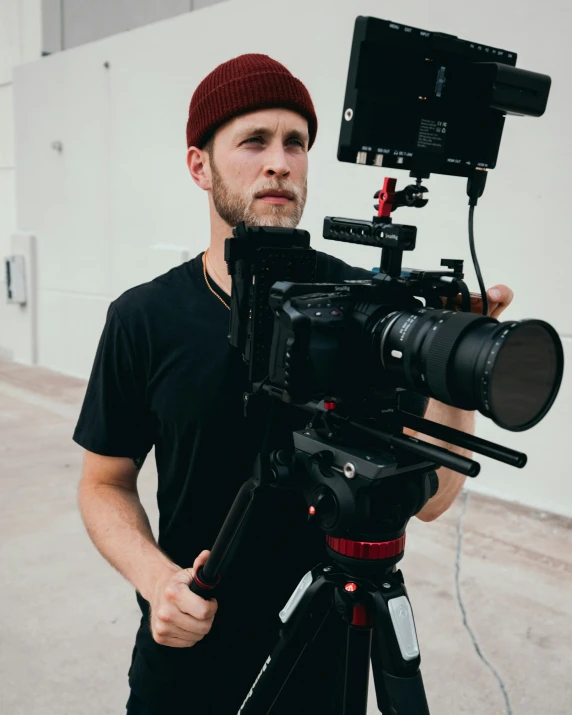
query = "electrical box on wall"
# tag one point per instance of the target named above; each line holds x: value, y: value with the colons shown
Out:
x: 16, y: 280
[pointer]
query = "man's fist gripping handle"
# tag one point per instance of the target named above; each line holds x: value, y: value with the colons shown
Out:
x: 180, y: 619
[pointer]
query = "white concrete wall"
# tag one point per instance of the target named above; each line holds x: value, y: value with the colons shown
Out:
x: 20, y: 41
x: 120, y: 186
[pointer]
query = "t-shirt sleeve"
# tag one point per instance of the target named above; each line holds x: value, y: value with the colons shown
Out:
x: 114, y: 420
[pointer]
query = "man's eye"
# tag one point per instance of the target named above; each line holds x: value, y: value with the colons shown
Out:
x: 251, y: 140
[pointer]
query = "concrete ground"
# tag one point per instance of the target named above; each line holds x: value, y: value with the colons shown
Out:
x: 67, y: 619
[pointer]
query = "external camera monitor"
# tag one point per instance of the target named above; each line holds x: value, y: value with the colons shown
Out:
x: 429, y: 102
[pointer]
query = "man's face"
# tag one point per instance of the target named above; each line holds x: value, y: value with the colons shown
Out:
x: 259, y: 169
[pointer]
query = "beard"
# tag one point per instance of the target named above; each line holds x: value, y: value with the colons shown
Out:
x: 234, y: 207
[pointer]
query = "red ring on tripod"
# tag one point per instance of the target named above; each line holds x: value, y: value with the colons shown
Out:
x: 370, y: 550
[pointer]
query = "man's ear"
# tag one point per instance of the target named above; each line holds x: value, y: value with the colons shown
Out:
x: 199, y: 167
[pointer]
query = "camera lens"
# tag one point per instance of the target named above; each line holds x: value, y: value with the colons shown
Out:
x: 510, y: 372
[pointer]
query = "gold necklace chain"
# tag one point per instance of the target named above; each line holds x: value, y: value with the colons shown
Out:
x: 210, y: 265
x: 226, y: 305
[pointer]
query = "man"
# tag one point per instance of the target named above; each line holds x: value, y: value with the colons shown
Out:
x: 165, y: 376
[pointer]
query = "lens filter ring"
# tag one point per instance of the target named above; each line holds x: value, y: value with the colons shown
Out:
x: 520, y: 374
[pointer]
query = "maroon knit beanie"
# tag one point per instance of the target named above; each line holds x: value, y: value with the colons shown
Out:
x: 245, y: 84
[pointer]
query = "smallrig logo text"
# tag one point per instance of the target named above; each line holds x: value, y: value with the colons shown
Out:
x: 254, y: 685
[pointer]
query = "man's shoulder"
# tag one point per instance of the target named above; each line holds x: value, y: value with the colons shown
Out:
x: 332, y: 269
x: 152, y: 298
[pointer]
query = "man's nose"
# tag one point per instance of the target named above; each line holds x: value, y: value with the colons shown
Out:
x: 277, y: 163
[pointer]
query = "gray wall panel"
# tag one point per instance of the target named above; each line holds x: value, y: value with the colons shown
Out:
x: 69, y: 23
x: 89, y: 20
x: 204, y: 3
x: 51, y: 26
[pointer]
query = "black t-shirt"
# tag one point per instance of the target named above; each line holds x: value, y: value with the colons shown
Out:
x: 165, y: 376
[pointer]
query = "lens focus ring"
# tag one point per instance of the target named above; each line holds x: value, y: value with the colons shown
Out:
x: 446, y: 335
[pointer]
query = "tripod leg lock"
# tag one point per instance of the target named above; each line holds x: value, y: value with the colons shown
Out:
x: 404, y: 627
x: 396, y: 627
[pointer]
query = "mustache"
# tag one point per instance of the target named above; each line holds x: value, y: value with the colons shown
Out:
x: 296, y: 191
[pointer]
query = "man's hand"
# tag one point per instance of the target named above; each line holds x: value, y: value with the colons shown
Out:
x: 180, y: 618
x: 500, y: 297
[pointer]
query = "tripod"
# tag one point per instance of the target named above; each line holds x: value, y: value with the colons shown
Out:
x: 362, y: 498
x: 375, y: 606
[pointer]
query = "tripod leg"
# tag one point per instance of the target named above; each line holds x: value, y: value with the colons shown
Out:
x: 356, y: 682
x: 303, y: 616
x: 398, y: 681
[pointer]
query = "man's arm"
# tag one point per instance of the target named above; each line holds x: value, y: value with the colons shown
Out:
x: 117, y: 523
x: 118, y: 526
x: 450, y: 482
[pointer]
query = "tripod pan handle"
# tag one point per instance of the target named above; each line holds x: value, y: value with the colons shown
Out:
x: 201, y: 587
